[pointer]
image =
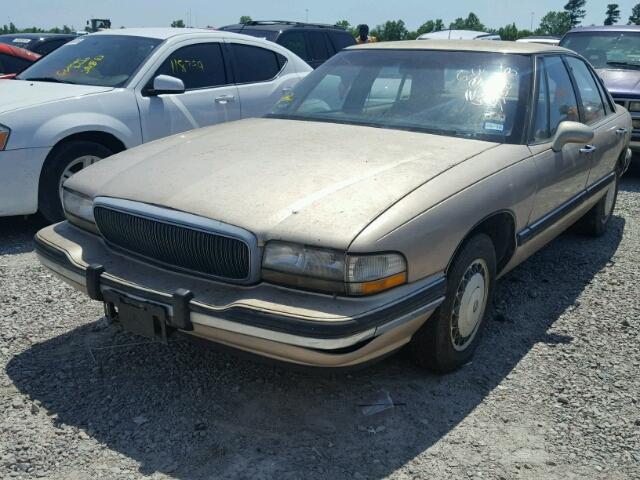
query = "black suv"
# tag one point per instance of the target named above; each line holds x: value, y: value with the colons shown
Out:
x: 40, y: 43
x: 313, y: 42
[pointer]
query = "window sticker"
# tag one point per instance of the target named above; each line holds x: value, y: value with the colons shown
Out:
x: 76, y: 41
x: 497, y: 127
x: 183, y: 66
x: 21, y: 40
x: 84, y: 65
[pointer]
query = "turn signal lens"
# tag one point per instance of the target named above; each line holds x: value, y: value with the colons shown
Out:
x: 4, y: 136
x: 376, y: 286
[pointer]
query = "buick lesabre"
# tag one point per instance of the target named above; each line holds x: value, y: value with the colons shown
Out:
x: 375, y: 208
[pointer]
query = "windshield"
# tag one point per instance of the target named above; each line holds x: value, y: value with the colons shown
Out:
x: 606, y: 49
x: 463, y: 94
x: 101, y: 60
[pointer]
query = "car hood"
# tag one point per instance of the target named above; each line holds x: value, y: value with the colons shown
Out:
x: 310, y: 182
x: 17, y: 94
x: 621, y: 82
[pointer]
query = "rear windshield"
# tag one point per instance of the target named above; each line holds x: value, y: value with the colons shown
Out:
x: 101, y: 60
x: 459, y: 94
x: 606, y: 49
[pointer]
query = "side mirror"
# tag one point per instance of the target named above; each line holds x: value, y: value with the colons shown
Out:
x: 571, y: 132
x: 165, y: 84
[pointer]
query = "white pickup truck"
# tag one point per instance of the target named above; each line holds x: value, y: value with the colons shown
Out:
x: 106, y: 92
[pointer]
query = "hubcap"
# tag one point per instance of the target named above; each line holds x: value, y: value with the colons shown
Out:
x: 608, y: 201
x: 470, y: 304
x: 74, y: 167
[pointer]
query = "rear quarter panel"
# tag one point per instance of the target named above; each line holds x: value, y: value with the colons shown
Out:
x: 430, y: 223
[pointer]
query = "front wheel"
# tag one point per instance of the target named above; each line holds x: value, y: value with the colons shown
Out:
x: 63, y: 162
x: 450, y: 336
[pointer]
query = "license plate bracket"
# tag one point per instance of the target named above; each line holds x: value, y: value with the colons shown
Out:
x: 139, y: 317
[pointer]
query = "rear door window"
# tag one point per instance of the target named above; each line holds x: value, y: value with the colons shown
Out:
x: 296, y: 42
x: 319, y: 49
x: 341, y: 40
x: 255, y: 64
x: 592, y: 105
x: 198, y: 66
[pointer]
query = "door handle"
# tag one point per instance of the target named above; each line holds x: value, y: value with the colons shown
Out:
x: 588, y: 149
x: 224, y: 99
x: 621, y: 131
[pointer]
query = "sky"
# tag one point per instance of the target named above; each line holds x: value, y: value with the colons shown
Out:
x: 153, y: 13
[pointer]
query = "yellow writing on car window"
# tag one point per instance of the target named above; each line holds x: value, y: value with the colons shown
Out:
x: 183, y: 65
x: 83, y: 64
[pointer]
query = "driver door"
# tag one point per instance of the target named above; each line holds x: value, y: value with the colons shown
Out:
x: 209, y: 96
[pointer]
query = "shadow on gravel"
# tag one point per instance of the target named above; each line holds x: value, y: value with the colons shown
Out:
x: 193, y: 413
x: 631, y: 180
x: 16, y: 233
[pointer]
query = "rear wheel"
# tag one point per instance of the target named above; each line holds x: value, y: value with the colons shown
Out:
x: 596, y: 220
x: 449, y: 338
x: 65, y: 161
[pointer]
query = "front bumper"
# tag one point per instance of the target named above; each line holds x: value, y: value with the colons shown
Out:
x: 276, y: 322
x: 19, y: 180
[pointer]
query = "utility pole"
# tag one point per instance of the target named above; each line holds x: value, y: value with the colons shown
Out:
x: 307, y: 10
x: 532, y: 14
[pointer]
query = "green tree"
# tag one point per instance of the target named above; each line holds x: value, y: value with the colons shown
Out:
x: 576, y: 11
x: 613, y: 14
x: 554, y: 23
x: 347, y: 26
x: 390, y: 31
x: 472, y: 22
x: 509, y: 32
x: 245, y: 19
x: 634, y: 19
x: 178, y: 24
x: 430, y: 26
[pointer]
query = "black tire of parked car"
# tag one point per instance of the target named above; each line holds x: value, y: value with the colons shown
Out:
x: 49, y: 203
x: 595, y: 222
x: 432, y: 345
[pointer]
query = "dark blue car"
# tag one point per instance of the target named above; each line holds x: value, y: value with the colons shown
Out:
x: 614, y: 51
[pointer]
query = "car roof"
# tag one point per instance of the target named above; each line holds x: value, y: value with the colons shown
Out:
x: 38, y: 36
x: 604, y: 28
x: 160, y: 33
x: 464, y: 46
x: 278, y: 25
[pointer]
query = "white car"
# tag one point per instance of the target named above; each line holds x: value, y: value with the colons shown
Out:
x: 110, y: 91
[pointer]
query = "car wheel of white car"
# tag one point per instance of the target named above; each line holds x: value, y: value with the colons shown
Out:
x: 450, y: 336
x: 63, y: 162
x: 595, y: 221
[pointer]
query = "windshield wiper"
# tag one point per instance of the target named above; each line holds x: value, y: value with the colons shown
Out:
x: 47, y: 79
x: 624, y: 64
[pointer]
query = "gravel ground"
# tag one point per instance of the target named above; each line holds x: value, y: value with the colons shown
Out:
x: 552, y: 393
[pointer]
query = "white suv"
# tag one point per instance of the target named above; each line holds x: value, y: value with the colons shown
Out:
x: 110, y: 91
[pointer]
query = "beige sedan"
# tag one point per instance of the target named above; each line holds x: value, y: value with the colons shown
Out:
x: 375, y: 207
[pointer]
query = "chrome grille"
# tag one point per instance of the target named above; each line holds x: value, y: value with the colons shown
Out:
x: 182, y: 247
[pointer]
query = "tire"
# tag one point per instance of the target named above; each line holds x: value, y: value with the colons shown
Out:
x: 443, y: 344
x: 595, y: 222
x: 61, y: 162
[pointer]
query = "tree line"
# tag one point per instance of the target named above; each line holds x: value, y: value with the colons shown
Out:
x: 11, y: 28
x: 555, y: 23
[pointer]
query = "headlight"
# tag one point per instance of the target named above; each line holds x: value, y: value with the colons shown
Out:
x: 331, y: 270
x: 634, y: 106
x: 78, y: 208
x: 4, y: 136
